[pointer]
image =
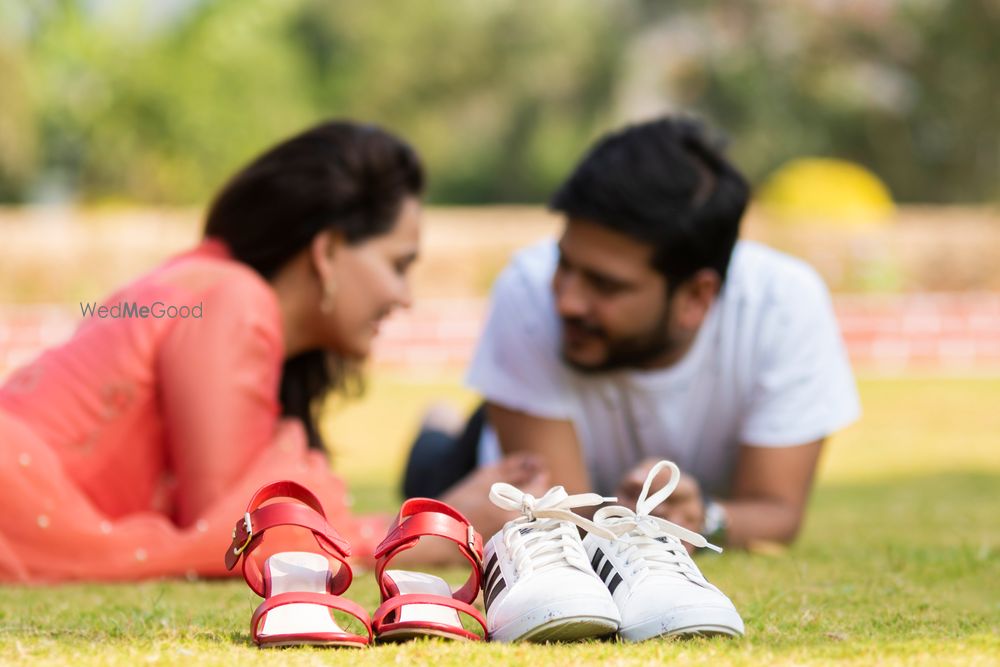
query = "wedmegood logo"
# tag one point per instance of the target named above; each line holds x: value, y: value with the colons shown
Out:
x: 132, y: 309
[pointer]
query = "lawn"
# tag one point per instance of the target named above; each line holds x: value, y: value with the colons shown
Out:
x: 899, y: 562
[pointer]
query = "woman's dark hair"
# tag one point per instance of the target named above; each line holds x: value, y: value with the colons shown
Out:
x: 337, y: 175
x: 662, y: 183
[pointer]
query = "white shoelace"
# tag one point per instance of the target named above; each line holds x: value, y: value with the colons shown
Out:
x: 545, y: 534
x: 652, y: 544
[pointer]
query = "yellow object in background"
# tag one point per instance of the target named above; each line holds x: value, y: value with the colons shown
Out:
x: 825, y: 191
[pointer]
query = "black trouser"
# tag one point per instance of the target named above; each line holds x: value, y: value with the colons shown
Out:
x: 439, y: 460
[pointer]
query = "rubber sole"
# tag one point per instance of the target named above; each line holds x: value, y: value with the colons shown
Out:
x: 710, y: 621
x: 567, y: 620
x: 571, y: 629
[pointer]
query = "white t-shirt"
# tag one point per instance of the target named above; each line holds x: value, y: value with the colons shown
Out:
x: 767, y: 368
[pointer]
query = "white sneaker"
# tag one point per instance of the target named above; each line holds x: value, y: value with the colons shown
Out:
x: 657, y: 587
x: 539, y: 585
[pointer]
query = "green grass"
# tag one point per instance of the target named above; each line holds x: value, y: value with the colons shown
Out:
x: 899, y: 562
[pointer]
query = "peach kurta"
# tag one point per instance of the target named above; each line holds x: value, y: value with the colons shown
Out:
x: 131, y: 450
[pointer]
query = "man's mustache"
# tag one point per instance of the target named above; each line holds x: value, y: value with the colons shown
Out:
x: 582, y: 325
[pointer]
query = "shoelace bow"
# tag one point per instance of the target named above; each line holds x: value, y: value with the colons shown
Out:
x: 656, y: 542
x: 544, y: 535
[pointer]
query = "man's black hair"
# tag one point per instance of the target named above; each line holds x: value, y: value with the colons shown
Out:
x: 665, y: 184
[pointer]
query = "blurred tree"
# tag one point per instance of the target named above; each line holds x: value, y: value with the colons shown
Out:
x: 159, y: 100
x: 907, y: 88
x: 18, y: 136
x: 498, y: 96
x: 164, y: 116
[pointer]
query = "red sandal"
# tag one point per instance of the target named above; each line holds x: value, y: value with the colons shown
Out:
x: 300, y: 592
x: 415, y: 604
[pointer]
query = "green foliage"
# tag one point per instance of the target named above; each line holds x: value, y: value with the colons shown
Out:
x: 162, y: 117
x: 498, y: 97
x: 486, y: 91
x: 160, y: 101
x: 18, y: 140
x: 908, y: 89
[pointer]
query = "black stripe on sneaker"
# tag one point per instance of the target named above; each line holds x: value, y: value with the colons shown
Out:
x: 491, y: 563
x: 617, y: 579
x: 490, y: 570
x: 494, y: 580
x: 598, y: 555
x: 500, y: 585
x: 605, y: 570
x: 488, y: 584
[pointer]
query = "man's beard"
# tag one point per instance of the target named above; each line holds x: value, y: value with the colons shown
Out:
x: 636, y: 351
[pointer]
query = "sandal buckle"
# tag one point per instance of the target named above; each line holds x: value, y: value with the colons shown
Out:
x: 249, y: 528
x: 471, y: 541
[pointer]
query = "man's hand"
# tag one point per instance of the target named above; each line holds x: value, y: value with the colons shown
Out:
x: 684, y: 506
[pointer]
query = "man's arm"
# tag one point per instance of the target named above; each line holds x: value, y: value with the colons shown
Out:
x: 552, y: 441
x: 803, y: 391
x: 770, y: 490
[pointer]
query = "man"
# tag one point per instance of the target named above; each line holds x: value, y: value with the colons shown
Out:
x: 647, y: 331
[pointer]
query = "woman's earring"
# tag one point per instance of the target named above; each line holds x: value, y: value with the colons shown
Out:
x: 326, y: 302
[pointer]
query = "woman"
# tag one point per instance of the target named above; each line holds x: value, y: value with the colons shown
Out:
x: 128, y: 451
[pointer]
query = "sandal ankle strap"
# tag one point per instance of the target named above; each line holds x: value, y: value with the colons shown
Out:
x: 420, y: 517
x: 307, y: 513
